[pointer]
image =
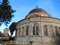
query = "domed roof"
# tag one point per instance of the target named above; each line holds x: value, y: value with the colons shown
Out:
x: 37, y: 10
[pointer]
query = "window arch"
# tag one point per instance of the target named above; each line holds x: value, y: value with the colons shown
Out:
x: 27, y: 28
x: 56, y: 30
x: 59, y: 29
x: 35, y: 29
x: 22, y: 31
x: 19, y: 31
x: 45, y: 30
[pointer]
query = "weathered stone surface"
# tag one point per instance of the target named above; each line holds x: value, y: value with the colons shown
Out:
x: 40, y: 19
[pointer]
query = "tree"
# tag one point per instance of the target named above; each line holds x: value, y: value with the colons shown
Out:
x: 0, y: 32
x: 6, y: 12
x: 11, y: 38
x: 12, y: 28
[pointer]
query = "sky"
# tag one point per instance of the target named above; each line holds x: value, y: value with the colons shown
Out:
x: 23, y: 7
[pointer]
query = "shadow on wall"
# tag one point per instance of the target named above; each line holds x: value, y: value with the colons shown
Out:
x: 57, y: 39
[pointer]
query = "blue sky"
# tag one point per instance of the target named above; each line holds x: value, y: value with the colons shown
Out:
x: 23, y: 7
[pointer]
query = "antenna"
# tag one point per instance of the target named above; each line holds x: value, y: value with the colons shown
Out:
x: 36, y: 6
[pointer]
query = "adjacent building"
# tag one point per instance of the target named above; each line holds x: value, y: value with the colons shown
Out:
x: 4, y: 37
x: 38, y: 28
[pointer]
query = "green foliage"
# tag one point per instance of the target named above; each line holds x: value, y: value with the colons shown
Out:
x: 12, y: 28
x: 11, y: 38
x: 6, y: 12
x: 0, y: 32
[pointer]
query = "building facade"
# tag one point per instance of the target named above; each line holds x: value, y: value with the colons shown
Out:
x: 38, y: 28
x: 6, y: 32
x: 4, y: 37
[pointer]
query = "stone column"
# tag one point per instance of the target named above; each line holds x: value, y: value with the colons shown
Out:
x: 30, y: 29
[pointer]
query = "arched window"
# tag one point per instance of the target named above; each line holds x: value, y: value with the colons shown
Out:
x: 22, y: 31
x: 26, y: 30
x: 45, y: 30
x: 56, y: 30
x: 19, y: 31
x: 35, y: 30
x: 59, y: 29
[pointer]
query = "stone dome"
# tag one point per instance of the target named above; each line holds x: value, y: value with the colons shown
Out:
x: 37, y: 12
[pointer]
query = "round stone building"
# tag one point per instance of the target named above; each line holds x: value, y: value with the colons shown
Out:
x: 38, y: 28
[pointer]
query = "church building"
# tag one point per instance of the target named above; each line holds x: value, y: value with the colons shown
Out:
x: 38, y: 28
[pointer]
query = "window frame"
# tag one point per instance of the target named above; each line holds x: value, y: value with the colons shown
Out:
x: 36, y: 29
x: 56, y: 30
x: 27, y: 30
x: 45, y: 30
